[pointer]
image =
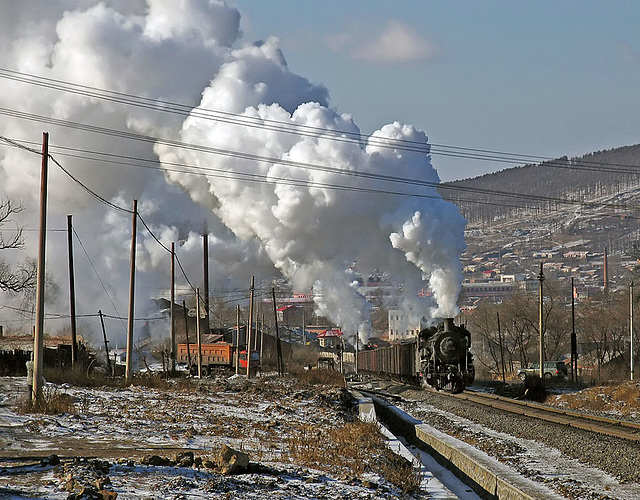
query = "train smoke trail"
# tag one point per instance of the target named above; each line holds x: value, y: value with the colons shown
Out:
x: 310, y: 231
x: 292, y: 220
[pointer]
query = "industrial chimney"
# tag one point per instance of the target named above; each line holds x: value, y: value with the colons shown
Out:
x: 606, y: 269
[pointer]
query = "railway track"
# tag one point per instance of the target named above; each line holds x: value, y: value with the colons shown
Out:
x: 622, y: 429
x: 603, y: 425
x: 588, y: 456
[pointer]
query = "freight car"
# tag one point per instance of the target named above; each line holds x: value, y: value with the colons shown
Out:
x: 439, y: 358
x: 397, y: 361
x: 216, y: 357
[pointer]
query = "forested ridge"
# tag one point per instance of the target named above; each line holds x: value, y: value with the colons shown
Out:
x: 545, y: 185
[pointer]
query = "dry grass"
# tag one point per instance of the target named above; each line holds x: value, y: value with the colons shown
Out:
x: 347, y: 448
x: 621, y: 398
x: 320, y: 377
x: 79, y: 377
x: 354, y: 448
x: 52, y: 402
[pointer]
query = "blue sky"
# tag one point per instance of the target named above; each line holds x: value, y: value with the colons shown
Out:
x: 544, y: 78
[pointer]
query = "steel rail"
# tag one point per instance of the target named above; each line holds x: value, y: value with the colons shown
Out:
x: 603, y: 425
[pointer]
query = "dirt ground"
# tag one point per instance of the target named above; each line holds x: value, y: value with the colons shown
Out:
x: 127, y: 442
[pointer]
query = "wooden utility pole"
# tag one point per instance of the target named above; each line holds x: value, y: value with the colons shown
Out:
x: 237, y: 339
x: 198, y: 333
x: 250, y: 327
x: 186, y: 333
x: 504, y: 381
x: 356, y: 354
x: 278, y: 347
x: 132, y: 286
x: 38, y: 336
x: 304, y: 333
x: 574, y: 339
x: 205, y: 249
x: 173, y: 308
x: 106, y: 343
x: 72, y: 293
x: 605, y: 271
x: 262, y: 339
x: 540, y: 323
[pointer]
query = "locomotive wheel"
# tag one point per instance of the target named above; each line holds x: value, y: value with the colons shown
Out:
x: 457, y: 387
x: 523, y: 376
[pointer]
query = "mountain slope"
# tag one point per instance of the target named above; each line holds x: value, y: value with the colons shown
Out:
x: 591, y: 199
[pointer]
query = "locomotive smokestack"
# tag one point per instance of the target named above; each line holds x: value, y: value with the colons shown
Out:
x: 448, y: 324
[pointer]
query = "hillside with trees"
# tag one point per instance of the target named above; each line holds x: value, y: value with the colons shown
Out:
x: 592, y: 197
x: 589, y: 177
x: 564, y: 214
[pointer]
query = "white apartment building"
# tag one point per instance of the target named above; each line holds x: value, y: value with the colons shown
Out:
x: 399, y: 327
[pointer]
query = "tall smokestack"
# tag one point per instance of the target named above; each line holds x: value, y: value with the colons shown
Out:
x: 606, y: 269
x: 448, y: 324
x: 205, y: 246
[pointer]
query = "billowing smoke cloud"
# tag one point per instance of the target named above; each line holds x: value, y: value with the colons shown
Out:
x: 275, y: 196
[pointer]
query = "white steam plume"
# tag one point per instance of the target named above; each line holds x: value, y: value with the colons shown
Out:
x: 308, y: 229
x: 291, y: 218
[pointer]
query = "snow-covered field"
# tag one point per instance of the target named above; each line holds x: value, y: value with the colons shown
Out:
x: 115, y: 429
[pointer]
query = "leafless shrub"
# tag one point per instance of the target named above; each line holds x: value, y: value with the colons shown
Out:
x: 80, y: 377
x: 354, y: 448
x: 52, y: 402
x: 400, y: 472
x: 319, y: 377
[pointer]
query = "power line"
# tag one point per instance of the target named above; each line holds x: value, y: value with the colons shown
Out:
x: 277, y: 125
x: 210, y: 114
x: 249, y: 177
x: 98, y: 275
x: 90, y: 191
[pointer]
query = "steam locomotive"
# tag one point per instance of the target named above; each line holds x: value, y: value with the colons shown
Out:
x: 440, y: 358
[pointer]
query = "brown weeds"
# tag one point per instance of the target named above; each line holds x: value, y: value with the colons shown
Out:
x: 320, y: 377
x: 354, y: 448
x: 623, y: 398
x: 52, y: 402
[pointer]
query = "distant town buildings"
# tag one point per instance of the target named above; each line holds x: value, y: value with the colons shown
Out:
x: 402, y: 326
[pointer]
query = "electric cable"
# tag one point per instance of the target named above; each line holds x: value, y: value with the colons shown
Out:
x: 281, y: 126
x: 301, y: 182
x: 98, y: 276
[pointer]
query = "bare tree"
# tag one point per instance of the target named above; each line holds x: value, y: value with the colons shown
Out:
x: 483, y: 323
x: 557, y: 323
x: 23, y: 276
